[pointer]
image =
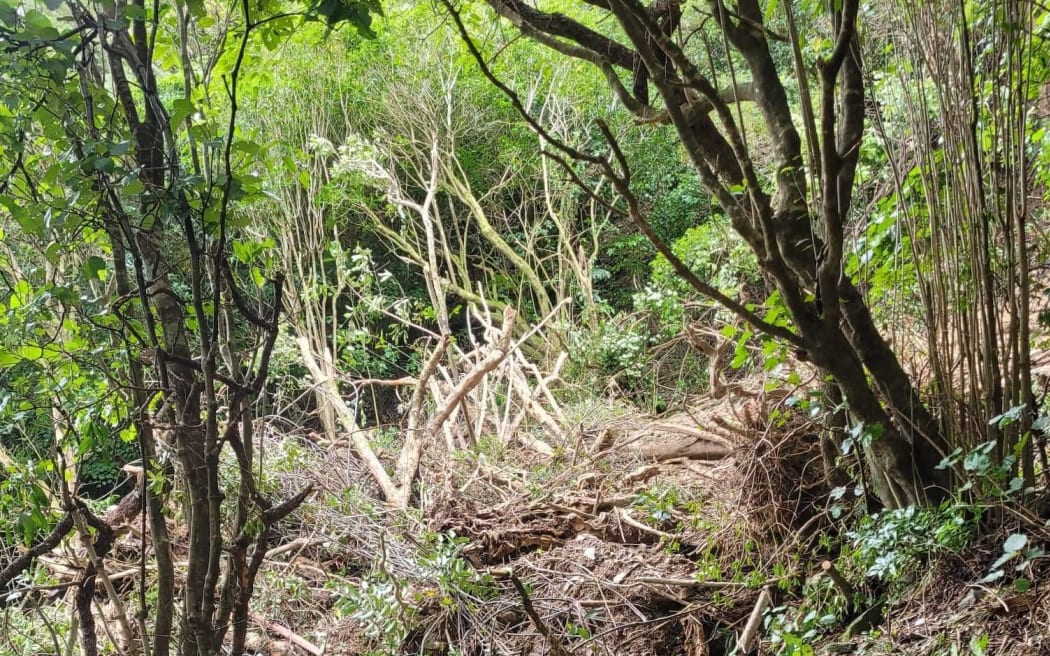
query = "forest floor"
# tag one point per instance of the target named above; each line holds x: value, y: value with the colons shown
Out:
x: 640, y: 536
x: 688, y: 533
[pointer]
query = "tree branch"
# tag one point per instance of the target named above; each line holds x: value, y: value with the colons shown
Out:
x: 20, y: 564
x: 531, y: 21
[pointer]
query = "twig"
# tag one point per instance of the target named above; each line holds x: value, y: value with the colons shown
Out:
x: 528, y: 398
x: 539, y: 324
x: 634, y: 523
x: 491, y: 360
x: 298, y: 543
x: 689, y: 583
x: 557, y: 649
x: 847, y: 590
x: 573, y: 511
x: 330, y: 390
x: 543, y: 382
x: 97, y: 573
x: 706, y: 436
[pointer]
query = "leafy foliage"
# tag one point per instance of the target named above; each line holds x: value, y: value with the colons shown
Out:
x: 889, y: 544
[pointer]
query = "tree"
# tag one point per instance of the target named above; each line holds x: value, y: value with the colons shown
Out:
x: 121, y: 145
x: 792, y: 210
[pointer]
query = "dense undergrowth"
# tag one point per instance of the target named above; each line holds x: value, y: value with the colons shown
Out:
x: 333, y: 328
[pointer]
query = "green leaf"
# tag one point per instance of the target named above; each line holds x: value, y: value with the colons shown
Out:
x: 992, y: 576
x: 116, y: 24
x: 120, y: 148
x: 1011, y: 416
x: 979, y: 460
x: 133, y: 187
x: 770, y: 9
x: 134, y: 12
x: 181, y: 108
x: 30, y: 352
x: 104, y: 165
x: 247, y: 147
x: 39, y: 26
x: 979, y: 645
x: 93, y: 266
x: 21, y: 293
x: 53, y: 252
x: 336, y: 12
x: 8, y: 359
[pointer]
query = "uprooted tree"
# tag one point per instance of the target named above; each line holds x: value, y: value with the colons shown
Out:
x: 792, y: 209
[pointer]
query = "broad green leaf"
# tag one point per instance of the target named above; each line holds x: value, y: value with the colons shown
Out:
x: 93, y: 266
x: 247, y: 147
x: 181, y: 108
x: 30, y: 352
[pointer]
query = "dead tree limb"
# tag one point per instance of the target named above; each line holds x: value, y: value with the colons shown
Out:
x: 289, y: 635
x: 750, y: 633
x: 20, y: 564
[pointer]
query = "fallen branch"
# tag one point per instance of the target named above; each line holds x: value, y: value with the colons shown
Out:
x: 533, y: 407
x: 641, y: 474
x: 298, y: 543
x: 97, y: 546
x: 844, y: 586
x: 694, y: 449
x: 20, y: 564
x: 733, y: 429
x: 289, y: 635
x: 706, y: 436
x: 749, y: 635
x: 556, y: 648
x: 543, y: 382
x: 474, y: 376
x: 644, y: 528
x: 537, y: 445
x: 601, y: 504
x: 689, y: 583
x: 330, y: 391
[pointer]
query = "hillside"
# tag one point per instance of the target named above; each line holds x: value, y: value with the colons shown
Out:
x: 476, y: 329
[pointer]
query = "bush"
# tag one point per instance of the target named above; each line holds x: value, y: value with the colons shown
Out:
x: 887, y: 545
x: 715, y: 254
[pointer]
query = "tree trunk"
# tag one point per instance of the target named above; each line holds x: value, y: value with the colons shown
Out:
x: 896, y: 479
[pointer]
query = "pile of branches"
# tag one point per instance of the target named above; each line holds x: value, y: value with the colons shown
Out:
x: 581, y: 572
x: 783, y: 482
